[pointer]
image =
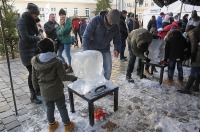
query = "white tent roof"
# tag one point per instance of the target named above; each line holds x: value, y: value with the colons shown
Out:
x: 174, y: 8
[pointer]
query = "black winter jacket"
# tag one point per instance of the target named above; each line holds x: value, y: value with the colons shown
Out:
x: 175, y: 46
x: 28, y: 33
x: 123, y: 29
x: 152, y: 23
x: 50, y: 29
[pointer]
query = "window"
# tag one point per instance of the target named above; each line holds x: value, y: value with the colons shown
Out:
x: 75, y: 11
x: 87, y: 12
x: 42, y: 17
x: 53, y: 9
x: 41, y: 9
x: 146, y: 4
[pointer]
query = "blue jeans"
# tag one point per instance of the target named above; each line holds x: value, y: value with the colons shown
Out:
x: 67, y: 48
x: 60, y: 103
x: 195, y: 71
x: 171, y: 68
x: 107, y: 64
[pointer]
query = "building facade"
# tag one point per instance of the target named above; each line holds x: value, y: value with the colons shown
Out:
x: 82, y: 8
x: 129, y: 5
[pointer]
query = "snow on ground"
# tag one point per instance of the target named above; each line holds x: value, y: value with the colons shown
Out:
x: 144, y: 106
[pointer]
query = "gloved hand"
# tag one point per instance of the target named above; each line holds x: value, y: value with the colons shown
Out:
x: 163, y: 62
x: 72, y: 78
x: 147, y: 60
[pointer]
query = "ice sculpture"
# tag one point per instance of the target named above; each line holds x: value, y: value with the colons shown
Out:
x: 88, y: 67
x: 156, y: 50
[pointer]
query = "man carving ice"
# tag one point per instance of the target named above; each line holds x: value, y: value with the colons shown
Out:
x: 101, y: 30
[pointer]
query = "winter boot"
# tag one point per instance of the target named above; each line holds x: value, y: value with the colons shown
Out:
x: 36, y: 100
x: 69, y: 70
x: 186, y: 89
x: 52, y: 127
x: 65, y: 66
x: 195, y: 87
x: 69, y: 127
x: 168, y: 82
x: 33, y: 97
x: 147, y: 72
x: 129, y: 79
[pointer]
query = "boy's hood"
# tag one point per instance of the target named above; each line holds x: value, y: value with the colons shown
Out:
x: 43, y: 66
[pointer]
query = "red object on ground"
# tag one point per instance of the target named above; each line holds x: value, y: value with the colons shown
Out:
x: 98, y: 114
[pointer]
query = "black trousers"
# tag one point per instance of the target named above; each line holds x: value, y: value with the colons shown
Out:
x: 123, y: 47
x: 30, y: 84
x: 77, y: 33
x: 131, y: 63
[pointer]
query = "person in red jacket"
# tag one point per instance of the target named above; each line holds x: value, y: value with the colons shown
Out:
x: 76, y: 22
x: 163, y: 33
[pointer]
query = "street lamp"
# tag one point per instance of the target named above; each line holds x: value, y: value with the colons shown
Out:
x: 136, y: 1
x: 7, y: 57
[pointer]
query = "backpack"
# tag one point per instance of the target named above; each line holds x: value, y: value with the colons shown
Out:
x: 76, y: 24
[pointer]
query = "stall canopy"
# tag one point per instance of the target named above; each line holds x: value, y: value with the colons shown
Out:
x: 162, y: 3
x: 175, y: 8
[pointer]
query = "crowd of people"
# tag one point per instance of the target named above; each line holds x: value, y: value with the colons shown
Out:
x: 42, y: 56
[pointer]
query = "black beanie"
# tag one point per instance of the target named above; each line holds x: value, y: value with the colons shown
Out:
x: 46, y: 45
x: 62, y: 11
x: 33, y: 8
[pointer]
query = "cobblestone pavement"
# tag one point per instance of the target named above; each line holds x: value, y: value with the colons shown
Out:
x: 29, y: 114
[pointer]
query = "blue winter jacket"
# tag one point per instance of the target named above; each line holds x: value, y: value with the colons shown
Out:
x: 98, y: 37
x: 159, y: 22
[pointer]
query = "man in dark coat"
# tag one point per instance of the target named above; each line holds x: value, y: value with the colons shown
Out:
x: 101, y: 30
x: 50, y: 27
x: 29, y: 36
x: 124, y: 34
x: 152, y: 23
x: 194, y: 78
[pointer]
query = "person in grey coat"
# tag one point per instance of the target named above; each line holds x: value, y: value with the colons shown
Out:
x: 29, y: 36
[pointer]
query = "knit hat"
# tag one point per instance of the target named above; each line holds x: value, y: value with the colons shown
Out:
x: 114, y: 16
x: 33, y: 8
x: 46, y: 45
x: 62, y: 11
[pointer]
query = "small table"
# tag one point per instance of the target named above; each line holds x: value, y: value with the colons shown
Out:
x: 162, y: 67
x: 92, y: 96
